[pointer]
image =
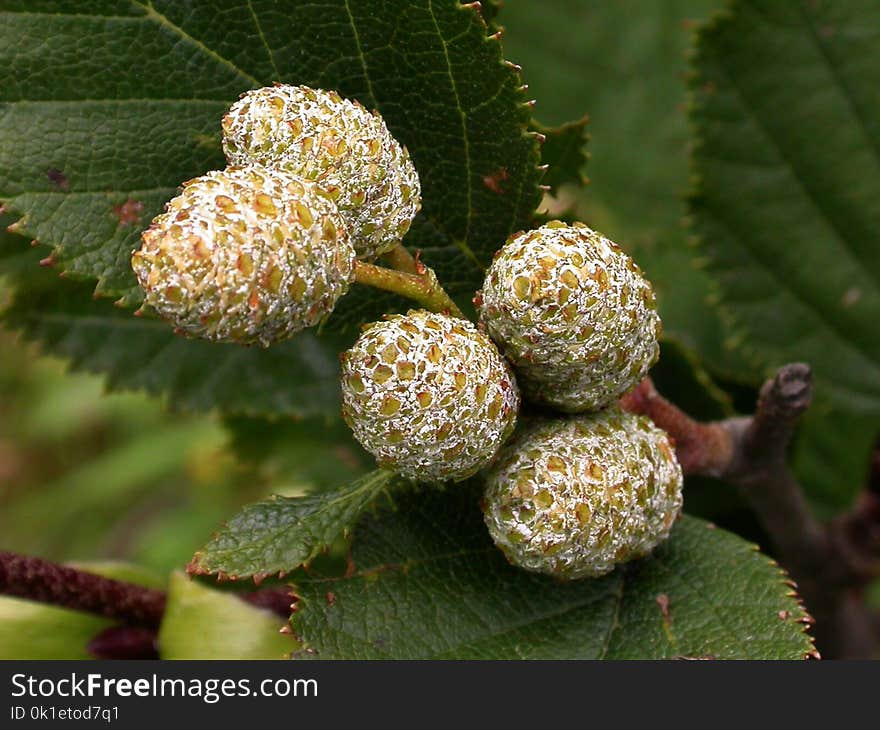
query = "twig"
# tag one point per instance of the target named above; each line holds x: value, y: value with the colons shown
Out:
x: 138, y: 609
x: 279, y: 601
x: 140, y: 642
x: 423, y: 288
x: 702, y: 448
x: 829, y: 564
x: 125, y: 642
x: 858, y: 530
x: 61, y: 585
x: 401, y: 259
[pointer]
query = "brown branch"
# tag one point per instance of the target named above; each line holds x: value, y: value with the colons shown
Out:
x: 141, y: 642
x: 702, y: 448
x: 831, y: 562
x: 125, y: 642
x: 138, y: 609
x: 61, y: 585
x: 858, y: 531
x: 279, y: 601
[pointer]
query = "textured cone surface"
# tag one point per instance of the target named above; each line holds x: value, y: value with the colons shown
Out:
x: 246, y: 255
x: 577, y: 496
x: 428, y: 395
x: 573, y: 313
x: 337, y: 143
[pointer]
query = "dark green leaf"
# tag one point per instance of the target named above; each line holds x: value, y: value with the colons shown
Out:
x: 318, y: 453
x: 790, y: 226
x: 564, y: 153
x: 489, y: 9
x: 831, y: 455
x: 281, y: 534
x: 679, y: 375
x: 787, y: 197
x: 298, y: 377
x: 428, y: 583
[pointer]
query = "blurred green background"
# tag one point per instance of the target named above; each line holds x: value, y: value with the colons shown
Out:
x: 85, y: 474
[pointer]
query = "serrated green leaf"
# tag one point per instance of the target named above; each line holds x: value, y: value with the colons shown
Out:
x: 281, y: 534
x: 787, y: 193
x: 489, y: 9
x: 564, y: 153
x: 428, y: 583
x: 298, y: 377
x: 202, y: 623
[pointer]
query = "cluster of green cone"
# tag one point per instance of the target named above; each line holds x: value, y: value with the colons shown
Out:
x: 259, y: 251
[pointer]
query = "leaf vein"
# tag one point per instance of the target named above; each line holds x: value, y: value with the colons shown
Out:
x: 615, y: 618
x: 845, y: 90
x: 797, y: 176
x: 784, y: 284
x: 259, y: 28
x: 462, y: 243
x: 363, y: 59
x: 162, y: 20
x: 530, y: 621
